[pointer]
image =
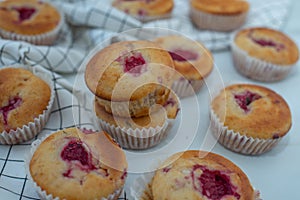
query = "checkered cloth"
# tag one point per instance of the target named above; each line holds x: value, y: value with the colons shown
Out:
x: 66, y: 112
x: 91, y: 22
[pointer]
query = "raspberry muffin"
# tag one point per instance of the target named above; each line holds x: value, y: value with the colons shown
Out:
x: 25, y: 104
x: 74, y: 164
x: 142, y: 132
x: 219, y: 15
x: 146, y: 10
x: 192, y: 61
x: 33, y: 21
x: 249, y: 119
x: 198, y: 175
x: 129, y: 77
x: 264, y: 54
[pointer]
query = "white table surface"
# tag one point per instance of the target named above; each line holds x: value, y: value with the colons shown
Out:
x: 276, y: 173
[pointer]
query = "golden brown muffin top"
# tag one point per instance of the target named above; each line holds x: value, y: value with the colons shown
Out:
x: 191, y: 59
x: 197, y: 175
x: 221, y: 7
x: 23, y: 98
x: 79, y: 164
x: 129, y: 70
x: 158, y: 115
x: 253, y: 110
x: 268, y: 45
x: 144, y: 7
x: 28, y: 17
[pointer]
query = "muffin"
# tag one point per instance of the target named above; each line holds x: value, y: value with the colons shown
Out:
x: 249, y: 119
x: 75, y: 164
x: 142, y: 132
x: 145, y: 10
x: 192, y: 61
x: 263, y: 54
x: 219, y: 15
x: 33, y: 21
x: 129, y: 77
x: 25, y: 104
x: 196, y: 175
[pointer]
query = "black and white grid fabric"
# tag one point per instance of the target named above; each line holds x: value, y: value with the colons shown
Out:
x: 66, y: 112
x: 90, y: 22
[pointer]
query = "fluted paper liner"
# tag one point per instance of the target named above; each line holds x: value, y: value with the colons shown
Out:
x: 129, y: 138
x: 184, y: 88
x: 237, y: 142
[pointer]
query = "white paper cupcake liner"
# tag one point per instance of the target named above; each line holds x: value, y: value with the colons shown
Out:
x: 141, y: 188
x: 215, y: 22
x: 38, y: 39
x: 129, y: 138
x: 42, y: 193
x: 257, y: 69
x: 135, y: 108
x: 237, y: 142
x: 29, y: 131
x: 184, y: 88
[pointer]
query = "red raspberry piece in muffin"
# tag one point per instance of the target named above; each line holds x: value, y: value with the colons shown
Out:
x: 129, y: 77
x: 24, y: 97
x: 264, y: 54
x: 192, y: 61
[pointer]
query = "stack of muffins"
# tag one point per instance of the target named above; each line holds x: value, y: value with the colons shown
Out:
x: 131, y: 82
